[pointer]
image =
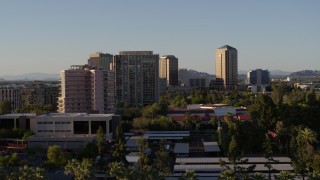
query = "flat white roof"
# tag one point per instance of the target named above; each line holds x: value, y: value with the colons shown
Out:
x: 218, y: 168
x: 133, y: 141
x: 181, y: 148
x: 165, y: 137
x: 146, y: 136
x: 167, y: 132
x: 75, y: 115
x: 61, y: 138
x: 216, y: 160
x: 200, y: 160
x: 198, y: 167
x: 211, y: 147
x: 132, y: 157
x: 16, y: 115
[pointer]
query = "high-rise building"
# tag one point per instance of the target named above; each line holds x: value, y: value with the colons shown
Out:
x: 136, y: 77
x: 168, y: 69
x: 227, y: 66
x: 86, y: 90
x: 100, y: 61
x: 258, y: 77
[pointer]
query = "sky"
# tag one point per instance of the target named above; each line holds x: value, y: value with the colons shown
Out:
x: 48, y: 36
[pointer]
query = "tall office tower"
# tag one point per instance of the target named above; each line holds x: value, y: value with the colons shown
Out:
x: 258, y: 77
x: 168, y: 69
x: 227, y: 66
x: 136, y: 77
x: 12, y: 94
x: 100, y: 61
x: 86, y: 90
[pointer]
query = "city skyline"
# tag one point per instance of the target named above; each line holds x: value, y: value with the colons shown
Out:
x: 50, y: 36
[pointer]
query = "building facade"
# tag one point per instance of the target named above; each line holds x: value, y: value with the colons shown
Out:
x: 39, y: 93
x: 258, y: 77
x: 168, y: 69
x: 198, y: 82
x: 227, y: 66
x: 136, y: 77
x: 100, y: 61
x: 11, y: 94
x: 70, y: 130
x: 86, y: 90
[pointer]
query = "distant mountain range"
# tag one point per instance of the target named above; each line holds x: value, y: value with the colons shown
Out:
x: 272, y: 72
x: 184, y: 75
x: 30, y: 77
x: 306, y: 73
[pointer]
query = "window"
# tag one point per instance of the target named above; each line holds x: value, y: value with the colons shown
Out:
x: 81, y: 127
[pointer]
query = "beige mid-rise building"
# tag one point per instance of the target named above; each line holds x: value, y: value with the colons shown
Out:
x: 227, y: 66
x: 168, y: 69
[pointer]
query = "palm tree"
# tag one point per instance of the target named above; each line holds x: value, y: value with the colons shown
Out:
x: 284, y: 175
x: 121, y: 172
x: 149, y: 173
x: 307, y: 135
x: 258, y: 176
x: 304, y: 155
x: 227, y: 175
x: 80, y: 170
x: 315, y: 175
x: 189, y: 175
x: 39, y: 174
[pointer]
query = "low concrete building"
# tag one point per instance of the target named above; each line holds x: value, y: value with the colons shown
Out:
x: 16, y: 120
x: 71, y: 130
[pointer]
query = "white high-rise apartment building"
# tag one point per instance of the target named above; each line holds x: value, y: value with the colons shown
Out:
x: 86, y: 90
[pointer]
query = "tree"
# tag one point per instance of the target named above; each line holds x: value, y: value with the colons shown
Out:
x: 314, y: 175
x: 100, y: 140
x: 234, y: 153
x: 56, y: 155
x: 36, y: 108
x: 303, y: 156
x: 264, y: 111
x: 227, y: 175
x: 258, y: 176
x: 119, y: 152
x: 5, y: 107
x: 267, y: 148
x: 25, y: 173
x: 27, y: 134
x: 143, y: 158
x: 308, y: 136
x: 149, y: 173
x: 151, y: 111
x: 189, y: 175
x: 284, y: 175
x: 80, y: 170
x: 121, y: 172
x: 278, y: 91
x: 162, y: 161
x: 9, y: 160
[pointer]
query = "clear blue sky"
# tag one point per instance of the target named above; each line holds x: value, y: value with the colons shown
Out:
x: 47, y: 36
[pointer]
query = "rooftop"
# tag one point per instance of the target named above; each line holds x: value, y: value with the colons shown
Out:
x: 227, y: 47
x: 75, y: 115
x: 16, y: 115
